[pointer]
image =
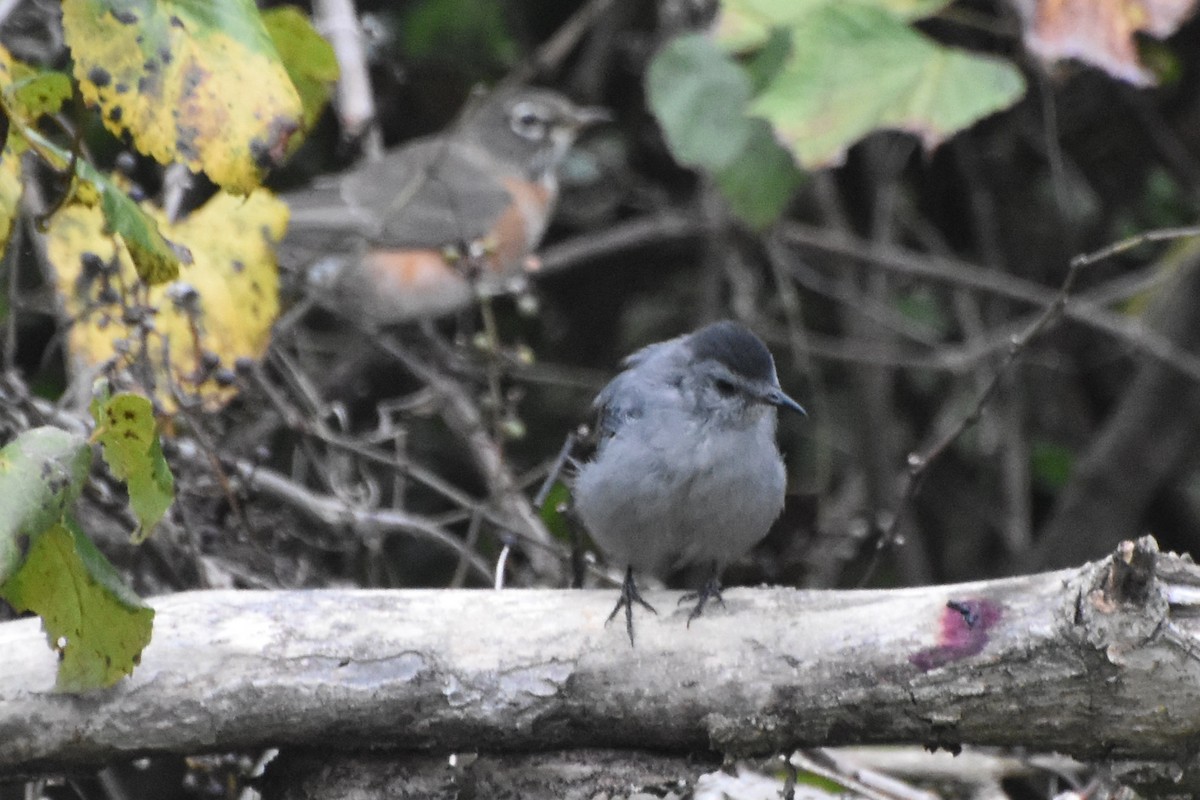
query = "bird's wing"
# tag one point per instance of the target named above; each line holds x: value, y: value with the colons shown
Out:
x: 430, y: 194
x: 319, y: 220
x: 639, y: 390
x: 617, y: 403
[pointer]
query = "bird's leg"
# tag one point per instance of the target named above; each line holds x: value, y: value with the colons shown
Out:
x: 629, y: 596
x: 711, y: 590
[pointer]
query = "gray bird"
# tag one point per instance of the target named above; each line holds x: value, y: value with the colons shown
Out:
x: 687, y: 471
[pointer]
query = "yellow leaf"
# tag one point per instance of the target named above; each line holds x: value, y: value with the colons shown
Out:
x: 10, y: 190
x: 197, y: 83
x: 220, y: 310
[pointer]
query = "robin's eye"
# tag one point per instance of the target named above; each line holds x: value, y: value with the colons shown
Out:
x: 725, y: 388
x: 527, y: 122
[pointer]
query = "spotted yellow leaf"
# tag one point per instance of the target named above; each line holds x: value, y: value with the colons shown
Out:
x: 194, y: 82
x: 26, y: 95
x: 184, y: 337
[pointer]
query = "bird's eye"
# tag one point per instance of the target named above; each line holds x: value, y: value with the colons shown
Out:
x: 725, y: 388
x: 527, y: 123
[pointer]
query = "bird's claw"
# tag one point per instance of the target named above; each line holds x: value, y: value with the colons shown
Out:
x: 710, y: 591
x: 629, y: 596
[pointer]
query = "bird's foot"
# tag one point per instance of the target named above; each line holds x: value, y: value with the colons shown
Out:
x: 710, y: 591
x: 629, y: 596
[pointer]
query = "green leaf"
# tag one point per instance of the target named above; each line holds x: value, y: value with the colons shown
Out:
x: 699, y: 95
x: 760, y: 184
x: 308, y: 59
x: 128, y: 434
x: 768, y: 60
x: 856, y: 66
x: 92, y: 619
x: 42, y: 472
x: 1052, y: 464
x: 40, y: 91
x: 552, y: 517
x: 748, y: 24
x: 156, y: 259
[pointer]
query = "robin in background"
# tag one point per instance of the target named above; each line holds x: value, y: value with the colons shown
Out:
x: 415, y: 233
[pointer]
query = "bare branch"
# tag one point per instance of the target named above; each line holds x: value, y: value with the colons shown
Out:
x: 335, y: 512
x: 968, y: 275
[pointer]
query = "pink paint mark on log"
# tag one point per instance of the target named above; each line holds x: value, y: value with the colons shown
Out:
x: 965, y: 625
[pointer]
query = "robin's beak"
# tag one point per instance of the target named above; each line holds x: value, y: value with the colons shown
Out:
x: 586, y: 116
x: 777, y: 398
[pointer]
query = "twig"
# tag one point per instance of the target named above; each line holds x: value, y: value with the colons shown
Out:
x: 962, y: 273
x: 798, y: 340
x: 557, y: 47
x: 918, y: 463
x: 491, y: 334
x: 177, y: 180
x: 883, y: 314
x: 206, y: 444
x: 460, y: 571
x: 949, y: 357
x: 556, y: 467
x: 501, y: 563
x: 355, y: 103
x: 12, y: 260
x: 462, y: 416
x: 311, y: 425
x: 333, y: 511
x: 656, y: 229
x: 1159, y: 235
x: 863, y: 783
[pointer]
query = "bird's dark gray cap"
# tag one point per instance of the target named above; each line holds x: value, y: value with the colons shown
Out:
x: 736, y: 347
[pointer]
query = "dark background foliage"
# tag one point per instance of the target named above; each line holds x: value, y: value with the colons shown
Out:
x: 884, y: 357
x: 1089, y: 438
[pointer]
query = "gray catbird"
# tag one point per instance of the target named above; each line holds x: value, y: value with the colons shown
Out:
x: 686, y: 471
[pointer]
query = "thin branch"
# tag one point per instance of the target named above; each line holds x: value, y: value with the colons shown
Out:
x: 918, y: 463
x: 556, y: 49
x: 12, y: 260
x: 335, y: 512
x: 337, y: 20
x: 463, y: 417
x: 648, y: 231
x: 962, y: 273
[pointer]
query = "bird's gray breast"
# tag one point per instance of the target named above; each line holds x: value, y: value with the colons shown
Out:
x: 668, y: 489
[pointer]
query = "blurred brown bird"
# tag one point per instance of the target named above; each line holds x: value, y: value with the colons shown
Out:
x: 415, y: 233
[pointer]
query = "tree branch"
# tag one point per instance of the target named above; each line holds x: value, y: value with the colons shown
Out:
x: 1099, y: 662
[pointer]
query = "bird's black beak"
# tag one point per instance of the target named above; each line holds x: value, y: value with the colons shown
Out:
x: 776, y: 397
